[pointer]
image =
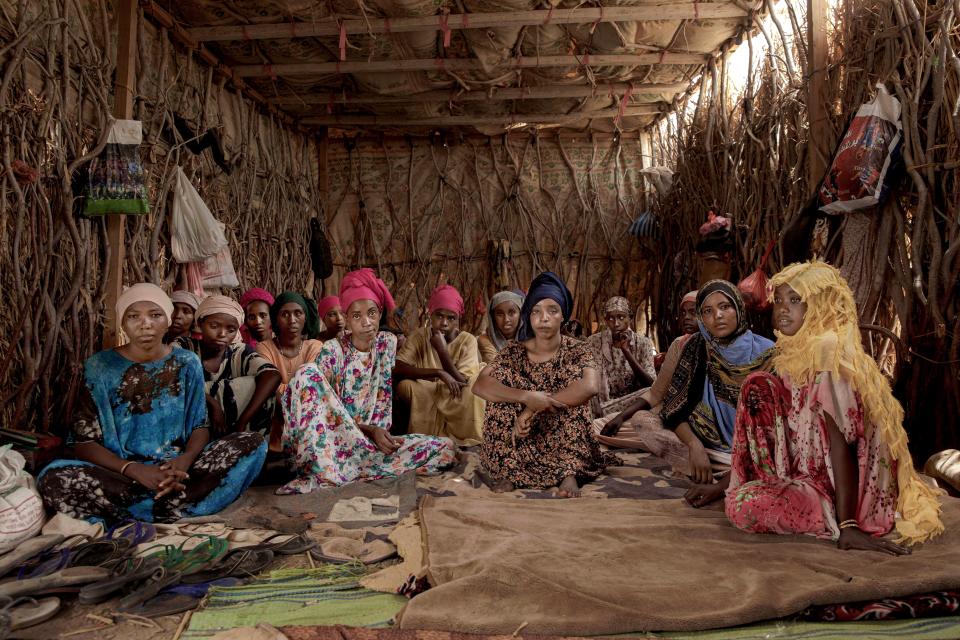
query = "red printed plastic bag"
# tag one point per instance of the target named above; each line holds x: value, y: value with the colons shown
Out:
x: 860, y: 173
x: 753, y: 288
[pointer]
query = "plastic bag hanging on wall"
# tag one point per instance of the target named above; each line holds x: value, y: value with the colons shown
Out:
x: 865, y: 162
x: 195, y: 234
x: 117, y: 183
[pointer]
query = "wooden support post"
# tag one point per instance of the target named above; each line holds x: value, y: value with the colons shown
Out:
x: 123, y: 93
x: 323, y: 183
x: 821, y: 135
x: 323, y: 186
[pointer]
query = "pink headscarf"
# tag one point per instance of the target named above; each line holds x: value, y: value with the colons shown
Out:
x: 254, y: 295
x: 691, y: 296
x: 446, y: 297
x: 363, y: 284
x: 328, y: 304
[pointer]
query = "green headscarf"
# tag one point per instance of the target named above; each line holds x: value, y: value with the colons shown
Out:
x: 311, y: 323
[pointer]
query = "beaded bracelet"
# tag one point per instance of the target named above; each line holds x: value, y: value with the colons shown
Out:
x: 849, y: 524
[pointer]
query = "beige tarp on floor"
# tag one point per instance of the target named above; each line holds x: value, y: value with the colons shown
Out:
x: 594, y: 567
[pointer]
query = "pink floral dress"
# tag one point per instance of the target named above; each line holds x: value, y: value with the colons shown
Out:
x: 782, y: 478
x: 325, y: 402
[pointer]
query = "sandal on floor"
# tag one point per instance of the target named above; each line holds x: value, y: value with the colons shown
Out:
x: 179, y: 598
x: 70, y: 577
x: 99, y: 552
x: 345, y: 551
x: 88, y: 554
x: 21, y: 613
x: 241, y: 563
x: 130, y: 571
x: 137, y: 532
x: 164, y: 604
x: 27, y: 550
x: 200, y: 589
x: 200, y: 557
x: 157, y: 582
x: 293, y: 545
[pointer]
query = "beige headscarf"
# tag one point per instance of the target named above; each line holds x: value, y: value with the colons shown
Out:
x: 187, y: 298
x: 143, y: 292
x: 220, y: 304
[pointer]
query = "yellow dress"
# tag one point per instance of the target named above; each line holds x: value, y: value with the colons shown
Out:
x: 433, y: 409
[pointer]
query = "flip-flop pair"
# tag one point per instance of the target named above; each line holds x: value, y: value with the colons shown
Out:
x: 239, y: 563
x: 198, y: 558
x: 94, y: 553
x: 24, y: 551
x: 179, y: 598
x: 71, y: 577
x: 294, y: 544
x: 125, y: 573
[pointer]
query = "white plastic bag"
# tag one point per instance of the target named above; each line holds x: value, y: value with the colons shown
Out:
x: 195, y: 234
x: 217, y: 271
x: 21, y: 509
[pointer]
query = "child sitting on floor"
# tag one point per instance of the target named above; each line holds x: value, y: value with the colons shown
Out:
x: 819, y: 447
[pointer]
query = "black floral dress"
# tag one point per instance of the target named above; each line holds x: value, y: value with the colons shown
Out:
x: 558, y: 445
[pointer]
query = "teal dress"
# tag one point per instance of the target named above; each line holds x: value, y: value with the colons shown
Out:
x: 146, y: 412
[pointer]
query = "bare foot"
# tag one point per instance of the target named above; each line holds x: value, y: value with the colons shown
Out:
x: 568, y: 488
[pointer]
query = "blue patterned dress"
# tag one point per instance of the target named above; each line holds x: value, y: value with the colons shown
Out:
x: 146, y: 412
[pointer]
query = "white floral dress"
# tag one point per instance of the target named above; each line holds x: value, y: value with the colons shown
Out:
x: 325, y: 402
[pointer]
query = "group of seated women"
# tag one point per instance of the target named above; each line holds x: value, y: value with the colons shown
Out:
x: 798, y: 436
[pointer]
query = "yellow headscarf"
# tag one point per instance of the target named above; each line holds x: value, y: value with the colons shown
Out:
x: 829, y: 340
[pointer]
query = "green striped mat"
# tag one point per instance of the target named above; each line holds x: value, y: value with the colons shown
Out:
x: 328, y: 595
x: 923, y: 629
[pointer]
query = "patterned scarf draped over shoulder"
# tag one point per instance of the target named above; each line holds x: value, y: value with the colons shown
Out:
x: 706, y: 383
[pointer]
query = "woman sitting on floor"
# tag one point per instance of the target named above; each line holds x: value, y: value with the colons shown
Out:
x: 296, y: 325
x: 700, y: 404
x: 536, y: 431
x: 331, y: 314
x: 639, y: 425
x: 185, y: 306
x: 819, y: 447
x: 240, y: 383
x: 438, y: 365
x: 141, y: 431
x: 503, y: 321
x: 625, y: 360
x: 256, y: 325
x: 339, y: 409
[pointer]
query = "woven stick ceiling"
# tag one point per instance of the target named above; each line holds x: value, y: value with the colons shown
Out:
x: 483, y: 65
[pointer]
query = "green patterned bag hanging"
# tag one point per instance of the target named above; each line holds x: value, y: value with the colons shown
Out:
x: 117, y: 182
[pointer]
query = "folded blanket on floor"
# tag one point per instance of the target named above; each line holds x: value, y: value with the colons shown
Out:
x: 592, y: 567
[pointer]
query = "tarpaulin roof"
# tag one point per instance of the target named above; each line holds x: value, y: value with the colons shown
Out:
x: 490, y: 65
